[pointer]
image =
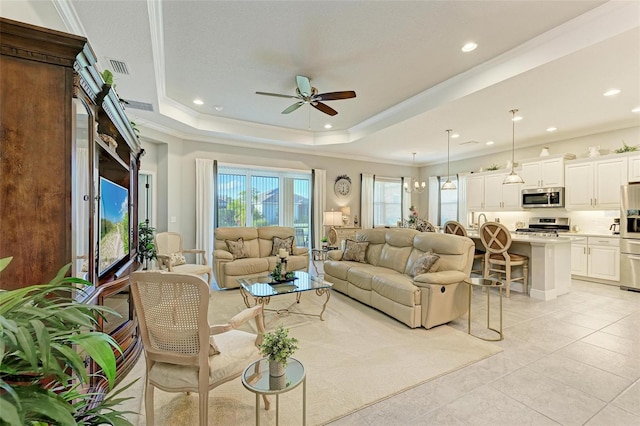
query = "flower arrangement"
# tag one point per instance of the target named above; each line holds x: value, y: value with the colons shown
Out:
x: 278, y: 346
x: 626, y: 148
x: 413, y: 216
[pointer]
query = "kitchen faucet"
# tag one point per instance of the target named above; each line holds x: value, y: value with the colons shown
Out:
x: 485, y: 219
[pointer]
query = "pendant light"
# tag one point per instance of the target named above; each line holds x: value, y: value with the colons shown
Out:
x: 415, y: 185
x: 448, y: 184
x: 513, y: 177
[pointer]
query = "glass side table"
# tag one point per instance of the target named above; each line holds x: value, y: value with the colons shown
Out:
x: 257, y: 380
x: 487, y: 283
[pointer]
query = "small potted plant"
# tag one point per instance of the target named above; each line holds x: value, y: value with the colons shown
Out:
x: 325, y: 242
x: 146, y: 244
x: 277, y: 346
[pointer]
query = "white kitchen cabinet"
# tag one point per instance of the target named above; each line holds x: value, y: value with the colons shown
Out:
x: 579, y: 258
x: 634, y: 168
x: 475, y: 193
x: 596, y: 257
x: 543, y: 173
x: 595, y: 184
x: 498, y: 196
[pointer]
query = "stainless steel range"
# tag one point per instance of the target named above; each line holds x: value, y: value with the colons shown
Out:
x: 545, y: 226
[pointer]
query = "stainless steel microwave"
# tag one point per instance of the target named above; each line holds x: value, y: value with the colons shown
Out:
x: 542, y: 198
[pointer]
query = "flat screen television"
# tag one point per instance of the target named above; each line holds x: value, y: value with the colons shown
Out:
x: 114, y: 225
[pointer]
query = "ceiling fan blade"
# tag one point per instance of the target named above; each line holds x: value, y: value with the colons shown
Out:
x: 332, y: 96
x: 293, y: 107
x: 276, y: 94
x: 304, y: 85
x: 324, y: 108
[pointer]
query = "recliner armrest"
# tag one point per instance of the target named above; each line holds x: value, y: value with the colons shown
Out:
x: 334, y: 254
x: 298, y: 251
x: 222, y: 255
x: 439, y: 278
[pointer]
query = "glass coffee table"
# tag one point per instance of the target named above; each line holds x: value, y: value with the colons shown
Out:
x: 263, y: 288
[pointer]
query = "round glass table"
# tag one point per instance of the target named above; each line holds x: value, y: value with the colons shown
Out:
x: 488, y: 284
x: 256, y: 379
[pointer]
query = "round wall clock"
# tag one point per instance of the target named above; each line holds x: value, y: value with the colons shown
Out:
x: 342, y: 187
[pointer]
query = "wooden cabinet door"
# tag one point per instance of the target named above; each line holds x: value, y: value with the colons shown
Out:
x: 634, y: 169
x: 579, y: 259
x: 552, y: 173
x: 475, y: 193
x: 604, y: 262
x: 609, y: 176
x: 579, y: 186
x: 493, y: 191
x: 530, y: 174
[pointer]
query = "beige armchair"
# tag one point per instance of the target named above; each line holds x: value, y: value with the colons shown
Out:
x: 170, y: 254
x: 180, y: 351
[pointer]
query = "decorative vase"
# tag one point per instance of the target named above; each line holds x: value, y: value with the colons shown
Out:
x: 545, y: 152
x: 276, y: 369
x: 277, y: 382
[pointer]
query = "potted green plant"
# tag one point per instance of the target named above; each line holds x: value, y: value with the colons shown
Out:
x: 277, y: 346
x: 45, y: 335
x: 146, y: 243
x: 324, y: 241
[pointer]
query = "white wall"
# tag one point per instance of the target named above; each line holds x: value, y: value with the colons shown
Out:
x: 175, y: 166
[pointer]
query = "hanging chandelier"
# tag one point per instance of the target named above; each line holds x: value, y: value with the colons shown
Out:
x: 513, y: 177
x: 415, y: 185
x: 448, y: 184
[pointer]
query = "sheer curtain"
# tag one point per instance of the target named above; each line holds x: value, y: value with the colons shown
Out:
x: 205, y: 184
x: 366, y: 200
x: 319, y: 182
x: 434, y: 200
x: 463, y: 218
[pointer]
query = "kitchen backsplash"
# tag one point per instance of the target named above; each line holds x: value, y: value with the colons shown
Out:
x: 591, y: 222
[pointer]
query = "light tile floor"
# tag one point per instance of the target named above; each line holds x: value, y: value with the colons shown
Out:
x: 574, y: 360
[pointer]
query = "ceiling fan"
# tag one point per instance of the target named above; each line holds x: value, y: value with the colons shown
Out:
x: 305, y: 94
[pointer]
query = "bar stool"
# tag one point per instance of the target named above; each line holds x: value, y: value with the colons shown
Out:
x: 497, y: 240
x: 456, y: 228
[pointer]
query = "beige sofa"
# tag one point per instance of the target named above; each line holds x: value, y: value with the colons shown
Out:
x: 258, y: 243
x: 384, y: 282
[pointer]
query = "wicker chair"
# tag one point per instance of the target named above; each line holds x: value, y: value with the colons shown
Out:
x: 456, y: 228
x: 180, y: 351
x: 170, y: 254
x: 497, y: 240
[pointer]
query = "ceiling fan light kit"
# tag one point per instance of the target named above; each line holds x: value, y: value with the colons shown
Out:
x: 306, y: 94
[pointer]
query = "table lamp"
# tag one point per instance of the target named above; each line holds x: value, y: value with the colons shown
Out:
x: 332, y: 219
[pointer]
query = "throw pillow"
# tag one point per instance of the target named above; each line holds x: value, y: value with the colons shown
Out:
x: 282, y: 243
x: 354, y: 250
x: 177, y: 259
x: 237, y: 248
x: 428, y: 262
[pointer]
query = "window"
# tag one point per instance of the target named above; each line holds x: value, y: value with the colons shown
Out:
x: 387, y: 201
x: 448, y: 201
x: 255, y: 197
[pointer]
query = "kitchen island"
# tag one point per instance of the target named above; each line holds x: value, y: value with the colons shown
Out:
x: 549, y: 263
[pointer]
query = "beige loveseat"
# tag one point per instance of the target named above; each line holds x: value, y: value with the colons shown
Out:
x: 384, y: 280
x: 258, y: 243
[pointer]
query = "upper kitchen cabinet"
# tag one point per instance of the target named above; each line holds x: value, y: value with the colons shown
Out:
x: 595, y: 184
x: 486, y: 192
x: 634, y: 168
x: 475, y: 193
x: 545, y: 172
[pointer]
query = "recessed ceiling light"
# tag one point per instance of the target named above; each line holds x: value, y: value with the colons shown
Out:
x: 328, y: 126
x: 490, y: 142
x: 198, y: 101
x: 218, y: 108
x: 611, y: 92
x: 636, y: 109
x: 455, y: 135
x: 517, y: 118
x: 551, y: 129
x: 469, y: 47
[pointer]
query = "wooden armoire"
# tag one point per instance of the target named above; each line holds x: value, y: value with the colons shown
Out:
x: 55, y: 115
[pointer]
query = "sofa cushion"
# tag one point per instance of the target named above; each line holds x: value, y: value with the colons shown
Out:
x: 355, y: 250
x: 237, y: 248
x: 282, y: 243
x: 394, y: 257
x: 396, y: 287
x: 338, y: 268
x: 428, y: 262
x: 246, y: 266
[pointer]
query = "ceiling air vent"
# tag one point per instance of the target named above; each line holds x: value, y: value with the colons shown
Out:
x: 469, y: 143
x: 138, y: 105
x: 118, y: 66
